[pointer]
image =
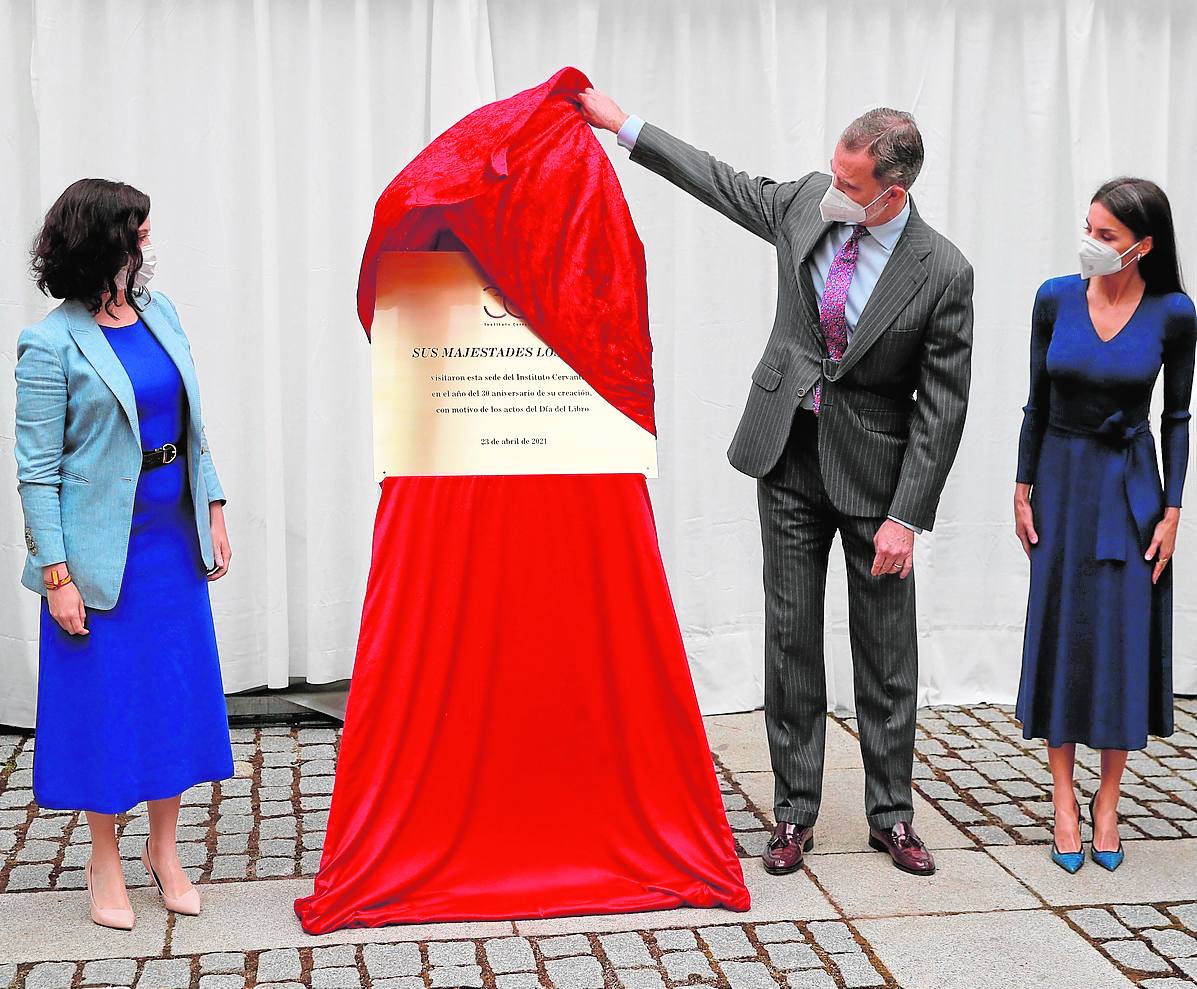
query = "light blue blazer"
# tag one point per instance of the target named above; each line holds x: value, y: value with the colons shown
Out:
x: 78, y: 447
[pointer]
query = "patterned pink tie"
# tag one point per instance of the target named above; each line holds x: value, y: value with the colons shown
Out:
x: 832, y: 320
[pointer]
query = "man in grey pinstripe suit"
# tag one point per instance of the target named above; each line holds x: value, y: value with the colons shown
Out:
x: 853, y: 420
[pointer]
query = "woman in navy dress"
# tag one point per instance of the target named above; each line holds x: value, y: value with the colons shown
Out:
x: 1089, y: 506
x: 130, y: 704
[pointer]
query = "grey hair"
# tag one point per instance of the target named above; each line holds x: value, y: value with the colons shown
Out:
x: 893, y: 139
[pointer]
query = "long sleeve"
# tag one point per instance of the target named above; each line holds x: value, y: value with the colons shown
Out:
x: 757, y: 204
x: 1035, y: 412
x: 211, y: 481
x: 937, y: 425
x: 40, y: 425
x: 1180, y: 335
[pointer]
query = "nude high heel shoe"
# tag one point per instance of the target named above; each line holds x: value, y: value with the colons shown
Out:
x: 188, y: 903
x: 118, y: 918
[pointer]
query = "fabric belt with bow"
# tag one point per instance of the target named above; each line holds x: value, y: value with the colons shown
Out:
x: 1129, y: 481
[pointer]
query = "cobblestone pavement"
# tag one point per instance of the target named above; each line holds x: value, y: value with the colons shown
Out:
x: 974, y: 765
x: 268, y: 822
x: 977, y: 769
x: 821, y: 955
x: 1154, y: 942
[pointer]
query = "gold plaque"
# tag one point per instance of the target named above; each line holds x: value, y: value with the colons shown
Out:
x: 462, y: 385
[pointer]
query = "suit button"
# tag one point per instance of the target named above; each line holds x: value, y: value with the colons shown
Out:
x: 801, y: 391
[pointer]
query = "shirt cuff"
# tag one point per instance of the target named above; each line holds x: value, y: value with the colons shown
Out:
x: 912, y: 528
x: 630, y: 131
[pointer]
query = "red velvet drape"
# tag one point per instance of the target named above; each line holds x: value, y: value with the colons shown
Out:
x: 527, y: 187
x: 522, y: 737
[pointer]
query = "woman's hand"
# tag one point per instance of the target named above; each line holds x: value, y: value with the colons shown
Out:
x: 66, y: 606
x: 1024, y: 518
x: 221, y: 549
x: 1163, y: 542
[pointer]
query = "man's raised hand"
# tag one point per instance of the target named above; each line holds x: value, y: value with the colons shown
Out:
x: 598, y: 109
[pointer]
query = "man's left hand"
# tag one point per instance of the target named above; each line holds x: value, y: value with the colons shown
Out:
x: 895, y: 550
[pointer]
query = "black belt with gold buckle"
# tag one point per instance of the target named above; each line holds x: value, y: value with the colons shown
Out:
x: 160, y: 457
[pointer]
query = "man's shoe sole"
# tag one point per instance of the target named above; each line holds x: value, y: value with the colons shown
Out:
x: 777, y: 871
x: 880, y: 846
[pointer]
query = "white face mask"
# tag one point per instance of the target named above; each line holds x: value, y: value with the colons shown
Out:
x: 149, y: 261
x: 1101, y: 259
x: 837, y: 207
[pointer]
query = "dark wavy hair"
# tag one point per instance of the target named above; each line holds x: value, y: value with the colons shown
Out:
x: 87, y: 236
x: 1141, y: 205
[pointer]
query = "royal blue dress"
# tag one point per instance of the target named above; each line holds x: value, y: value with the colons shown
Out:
x: 135, y: 710
x: 1097, y: 652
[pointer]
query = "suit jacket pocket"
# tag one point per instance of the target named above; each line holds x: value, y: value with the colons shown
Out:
x: 767, y: 376
x: 885, y: 420
x: 71, y: 476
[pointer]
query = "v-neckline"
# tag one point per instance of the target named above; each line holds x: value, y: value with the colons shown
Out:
x: 1089, y: 314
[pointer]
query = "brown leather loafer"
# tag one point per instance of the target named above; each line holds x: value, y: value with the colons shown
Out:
x: 783, y: 854
x: 905, y: 847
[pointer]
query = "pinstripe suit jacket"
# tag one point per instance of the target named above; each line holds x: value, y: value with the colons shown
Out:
x: 893, y: 408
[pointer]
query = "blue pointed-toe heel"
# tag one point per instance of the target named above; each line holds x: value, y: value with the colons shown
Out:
x: 1070, y: 862
x: 1107, y: 860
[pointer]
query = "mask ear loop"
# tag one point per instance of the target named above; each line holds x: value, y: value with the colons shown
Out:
x: 876, y: 201
x: 1135, y: 260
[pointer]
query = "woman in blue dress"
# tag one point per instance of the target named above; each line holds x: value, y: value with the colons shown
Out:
x: 1089, y: 506
x: 124, y: 527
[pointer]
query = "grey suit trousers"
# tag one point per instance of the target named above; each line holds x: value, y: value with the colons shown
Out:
x: 798, y: 524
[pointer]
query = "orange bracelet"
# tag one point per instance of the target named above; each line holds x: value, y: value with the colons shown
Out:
x: 54, y: 581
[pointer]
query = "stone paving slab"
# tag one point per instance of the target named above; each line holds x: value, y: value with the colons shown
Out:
x: 774, y: 898
x: 868, y: 885
x: 1154, y: 872
x: 259, y: 915
x: 845, y: 828
x: 740, y: 744
x: 1024, y: 950
x: 57, y: 926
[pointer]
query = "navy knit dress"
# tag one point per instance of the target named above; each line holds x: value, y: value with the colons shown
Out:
x: 1097, y: 652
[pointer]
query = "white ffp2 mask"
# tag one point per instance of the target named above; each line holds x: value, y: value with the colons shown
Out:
x: 837, y: 207
x: 1101, y: 259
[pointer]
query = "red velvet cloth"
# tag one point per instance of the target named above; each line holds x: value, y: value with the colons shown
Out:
x: 526, y: 186
x: 522, y: 737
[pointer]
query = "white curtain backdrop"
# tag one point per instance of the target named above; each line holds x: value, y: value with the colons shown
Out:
x: 264, y: 131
